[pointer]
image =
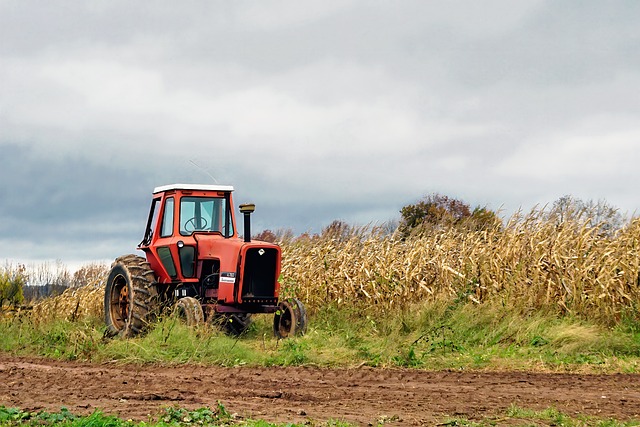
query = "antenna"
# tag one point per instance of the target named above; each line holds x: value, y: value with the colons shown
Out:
x: 203, y: 170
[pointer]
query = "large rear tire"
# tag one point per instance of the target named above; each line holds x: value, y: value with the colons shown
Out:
x: 131, y: 296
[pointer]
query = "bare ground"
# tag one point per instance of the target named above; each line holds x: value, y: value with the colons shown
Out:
x: 361, y: 395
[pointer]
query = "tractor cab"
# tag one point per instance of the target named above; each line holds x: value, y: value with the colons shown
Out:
x: 192, y: 244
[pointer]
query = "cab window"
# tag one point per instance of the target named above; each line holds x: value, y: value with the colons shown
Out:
x: 167, y: 219
x: 204, y: 214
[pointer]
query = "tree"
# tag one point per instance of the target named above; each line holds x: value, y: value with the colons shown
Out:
x: 337, y: 230
x: 484, y: 219
x: 266, y: 236
x: 47, y: 274
x: 601, y: 215
x: 432, y: 211
x: 93, y: 273
x: 11, y: 288
x: 437, y: 211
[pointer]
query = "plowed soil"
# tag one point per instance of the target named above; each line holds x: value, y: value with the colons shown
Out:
x: 362, y: 395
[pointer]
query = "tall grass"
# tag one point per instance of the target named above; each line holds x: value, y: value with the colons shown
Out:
x: 433, y: 337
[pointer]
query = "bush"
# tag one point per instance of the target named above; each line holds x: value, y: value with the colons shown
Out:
x: 11, y: 288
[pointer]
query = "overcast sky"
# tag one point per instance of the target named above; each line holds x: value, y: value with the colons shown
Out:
x: 313, y: 110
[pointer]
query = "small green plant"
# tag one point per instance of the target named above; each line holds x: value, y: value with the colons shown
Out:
x: 291, y: 352
x: 15, y: 416
x: 198, y: 417
x: 409, y: 358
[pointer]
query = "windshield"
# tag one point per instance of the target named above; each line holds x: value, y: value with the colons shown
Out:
x: 207, y: 214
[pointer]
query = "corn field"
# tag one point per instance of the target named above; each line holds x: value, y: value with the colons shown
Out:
x: 531, y: 263
x: 73, y: 303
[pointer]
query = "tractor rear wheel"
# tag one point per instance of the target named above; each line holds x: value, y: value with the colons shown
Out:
x: 290, y: 319
x: 190, y: 311
x: 131, y: 296
x: 233, y: 324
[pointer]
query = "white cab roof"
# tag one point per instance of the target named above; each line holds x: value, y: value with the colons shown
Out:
x: 196, y: 187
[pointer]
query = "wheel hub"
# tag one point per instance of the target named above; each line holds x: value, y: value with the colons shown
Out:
x: 123, y: 303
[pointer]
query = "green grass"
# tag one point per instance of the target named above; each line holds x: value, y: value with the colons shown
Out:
x: 431, y: 337
x: 516, y: 416
x: 172, y: 417
x: 219, y: 416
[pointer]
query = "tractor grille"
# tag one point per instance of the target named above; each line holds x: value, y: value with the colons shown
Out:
x: 259, y: 276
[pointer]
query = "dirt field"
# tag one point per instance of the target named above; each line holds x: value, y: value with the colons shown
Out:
x: 361, y: 395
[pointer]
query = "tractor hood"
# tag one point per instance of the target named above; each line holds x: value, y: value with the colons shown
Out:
x: 248, y: 270
x: 229, y: 251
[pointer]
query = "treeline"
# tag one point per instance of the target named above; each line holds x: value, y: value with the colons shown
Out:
x: 436, y: 212
x: 22, y: 284
x: 34, y: 293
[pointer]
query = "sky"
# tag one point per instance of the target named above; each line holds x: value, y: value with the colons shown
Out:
x: 312, y: 110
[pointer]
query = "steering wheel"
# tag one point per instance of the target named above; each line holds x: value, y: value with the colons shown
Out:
x: 191, y: 223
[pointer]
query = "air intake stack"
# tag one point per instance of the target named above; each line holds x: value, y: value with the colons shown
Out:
x: 247, y: 209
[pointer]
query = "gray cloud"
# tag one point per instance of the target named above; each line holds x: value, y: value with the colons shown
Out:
x: 315, y: 111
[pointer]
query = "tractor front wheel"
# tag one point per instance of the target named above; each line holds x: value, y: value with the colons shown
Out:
x: 290, y: 319
x: 130, y: 297
x: 189, y: 310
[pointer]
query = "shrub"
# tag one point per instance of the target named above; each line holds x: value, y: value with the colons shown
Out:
x: 11, y: 288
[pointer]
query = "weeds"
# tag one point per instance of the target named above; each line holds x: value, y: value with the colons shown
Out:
x: 471, y: 336
x: 219, y: 416
x: 172, y: 417
x: 199, y: 417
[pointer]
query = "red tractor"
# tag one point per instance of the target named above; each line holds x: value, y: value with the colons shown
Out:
x: 196, y: 263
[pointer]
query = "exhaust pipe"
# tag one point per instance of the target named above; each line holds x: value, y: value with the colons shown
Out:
x: 247, y: 209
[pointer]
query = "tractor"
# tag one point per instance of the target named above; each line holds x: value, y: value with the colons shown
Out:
x: 198, y: 267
